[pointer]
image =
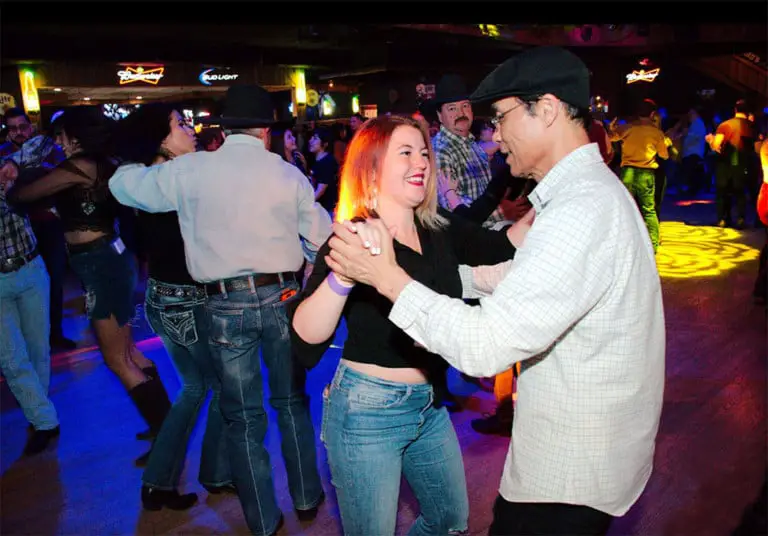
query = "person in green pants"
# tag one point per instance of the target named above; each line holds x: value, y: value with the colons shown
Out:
x: 642, y: 144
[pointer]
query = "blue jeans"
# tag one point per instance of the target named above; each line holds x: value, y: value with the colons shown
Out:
x: 181, y: 323
x: 25, y: 351
x: 375, y: 431
x: 241, y: 323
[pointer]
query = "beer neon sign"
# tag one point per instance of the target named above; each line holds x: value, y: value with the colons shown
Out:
x: 643, y: 76
x: 29, y: 91
x: 208, y: 77
x: 130, y: 75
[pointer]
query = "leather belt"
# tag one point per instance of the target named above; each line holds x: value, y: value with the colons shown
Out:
x: 248, y: 282
x: 177, y: 291
x: 12, y: 264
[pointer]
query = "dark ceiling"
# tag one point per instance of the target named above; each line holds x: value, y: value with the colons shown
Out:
x: 337, y: 48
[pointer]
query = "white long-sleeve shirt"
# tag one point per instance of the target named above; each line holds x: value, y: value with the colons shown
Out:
x: 581, y: 306
x: 241, y: 208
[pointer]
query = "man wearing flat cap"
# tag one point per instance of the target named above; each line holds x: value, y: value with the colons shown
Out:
x: 579, y: 306
x: 242, y: 210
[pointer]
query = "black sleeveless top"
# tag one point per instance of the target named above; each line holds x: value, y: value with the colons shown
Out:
x: 92, y: 207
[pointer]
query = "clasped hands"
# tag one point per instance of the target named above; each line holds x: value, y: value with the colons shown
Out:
x: 363, y: 251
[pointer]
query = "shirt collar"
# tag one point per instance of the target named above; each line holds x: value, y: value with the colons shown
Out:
x: 243, y: 139
x: 453, y: 137
x: 563, y: 173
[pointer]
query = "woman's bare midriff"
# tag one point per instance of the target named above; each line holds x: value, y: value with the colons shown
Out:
x: 399, y: 375
x: 82, y: 237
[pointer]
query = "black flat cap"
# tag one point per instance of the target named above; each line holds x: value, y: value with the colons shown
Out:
x: 538, y: 71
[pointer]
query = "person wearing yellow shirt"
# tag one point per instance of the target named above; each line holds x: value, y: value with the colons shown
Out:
x: 643, y: 143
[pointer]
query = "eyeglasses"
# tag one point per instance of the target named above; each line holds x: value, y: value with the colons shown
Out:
x: 496, y: 121
x: 19, y: 128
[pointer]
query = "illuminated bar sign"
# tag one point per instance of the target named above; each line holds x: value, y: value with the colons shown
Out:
x: 29, y: 91
x: 129, y: 75
x: 642, y: 76
x: 211, y: 76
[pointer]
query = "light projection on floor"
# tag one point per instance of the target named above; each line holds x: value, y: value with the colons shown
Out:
x: 688, y: 251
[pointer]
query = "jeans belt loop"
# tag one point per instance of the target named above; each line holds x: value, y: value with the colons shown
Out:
x: 338, y: 375
x: 252, y: 284
x: 281, y: 279
x: 223, y: 289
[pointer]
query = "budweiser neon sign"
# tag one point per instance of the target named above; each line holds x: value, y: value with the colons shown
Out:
x: 643, y: 76
x: 129, y: 75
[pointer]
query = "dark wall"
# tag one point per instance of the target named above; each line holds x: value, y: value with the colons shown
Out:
x: 9, y: 83
x: 676, y: 89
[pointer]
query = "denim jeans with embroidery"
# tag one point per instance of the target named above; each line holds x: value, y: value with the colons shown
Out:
x: 180, y: 322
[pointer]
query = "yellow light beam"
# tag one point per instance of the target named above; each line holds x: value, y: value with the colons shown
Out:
x: 700, y: 251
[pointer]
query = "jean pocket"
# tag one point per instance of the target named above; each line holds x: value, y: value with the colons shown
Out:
x: 226, y: 326
x: 179, y: 327
x: 363, y: 398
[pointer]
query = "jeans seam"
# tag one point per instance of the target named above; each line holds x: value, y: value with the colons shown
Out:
x: 179, y: 469
x: 246, y: 422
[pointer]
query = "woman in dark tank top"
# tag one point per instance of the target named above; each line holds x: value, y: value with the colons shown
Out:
x: 79, y: 186
x: 175, y: 308
x: 283, y: 142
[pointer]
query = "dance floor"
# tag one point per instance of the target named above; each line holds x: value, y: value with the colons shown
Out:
x: 710, y: 456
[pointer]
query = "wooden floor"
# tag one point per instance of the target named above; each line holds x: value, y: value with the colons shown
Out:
x: 711, y: 449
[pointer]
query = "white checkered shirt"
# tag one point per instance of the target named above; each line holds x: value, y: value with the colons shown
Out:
x: 581, y: 306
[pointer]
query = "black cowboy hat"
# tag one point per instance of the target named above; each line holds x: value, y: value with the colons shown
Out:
x: 246, y: 106
x: 450, y: 88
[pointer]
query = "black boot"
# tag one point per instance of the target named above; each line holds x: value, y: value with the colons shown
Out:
x: 497, y: 423
x: 39, y: 440
x: 148, y: 434
x: 151, y: 400
x: 156, y: 499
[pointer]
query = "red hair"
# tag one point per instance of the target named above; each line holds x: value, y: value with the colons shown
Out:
x: 363, y: 162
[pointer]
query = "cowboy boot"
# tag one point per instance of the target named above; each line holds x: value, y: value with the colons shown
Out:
x: 149, y: 372
x: 151, y: 400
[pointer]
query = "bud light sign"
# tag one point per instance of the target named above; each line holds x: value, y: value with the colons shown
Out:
x: 213, y: 76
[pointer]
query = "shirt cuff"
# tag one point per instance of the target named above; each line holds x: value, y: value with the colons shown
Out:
x: 309, y: 250
x: 467, y: 281
x: 413, y: 299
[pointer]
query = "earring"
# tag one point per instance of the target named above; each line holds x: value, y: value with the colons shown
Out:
x: 373, y: 203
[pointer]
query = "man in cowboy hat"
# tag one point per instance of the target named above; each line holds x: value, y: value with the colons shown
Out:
x: 459, y: 157
x: 241, y: 211
x: 580, y: 306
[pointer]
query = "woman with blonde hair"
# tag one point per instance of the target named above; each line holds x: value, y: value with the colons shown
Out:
x: 381, y: 419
